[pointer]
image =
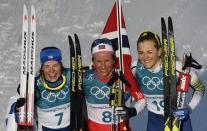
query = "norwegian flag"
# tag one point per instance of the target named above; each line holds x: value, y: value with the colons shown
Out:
x: 111, y: 32
x: 102, y: 47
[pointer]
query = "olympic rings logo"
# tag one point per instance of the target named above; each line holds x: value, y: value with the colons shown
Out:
x: 100, y: 93
x: 152, y: 83
x: 52, y: 96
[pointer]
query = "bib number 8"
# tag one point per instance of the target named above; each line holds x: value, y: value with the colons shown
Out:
x: 107, y: 116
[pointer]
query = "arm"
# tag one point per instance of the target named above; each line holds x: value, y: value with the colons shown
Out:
x: 140, y: 105
x: 11, y: 123
x: 198, y: 89
x: 195, y: 84
x: 136, y: 105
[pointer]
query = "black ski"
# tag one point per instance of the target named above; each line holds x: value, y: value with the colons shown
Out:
x: 169, y: 74
x: 167, y: 102
x: 76, y: 98
x: 172, y: 74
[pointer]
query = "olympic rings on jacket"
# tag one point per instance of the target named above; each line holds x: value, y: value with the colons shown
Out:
x: 152, y: 83
x: 100, y: 93
x: 52, y: 96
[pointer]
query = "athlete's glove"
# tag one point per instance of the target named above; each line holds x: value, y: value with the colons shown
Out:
x: 182, y: 114
x: 126, y: 112
x: 20, y: 102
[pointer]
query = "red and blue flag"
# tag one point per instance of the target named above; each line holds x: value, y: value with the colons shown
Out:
x: 111, y: 32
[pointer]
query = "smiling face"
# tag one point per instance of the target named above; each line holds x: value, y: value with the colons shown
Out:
x: 103, y: 64
x: 148, y: 54
x: 51, y: 70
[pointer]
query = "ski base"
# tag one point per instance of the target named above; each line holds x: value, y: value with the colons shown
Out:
x: 77, y: 98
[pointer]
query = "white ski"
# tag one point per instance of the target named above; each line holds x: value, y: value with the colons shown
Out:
x: 31, y: 80
x: 27, y: 70
x: 24, y: 67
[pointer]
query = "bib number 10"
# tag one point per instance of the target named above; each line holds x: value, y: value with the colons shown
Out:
x: 159, y: 104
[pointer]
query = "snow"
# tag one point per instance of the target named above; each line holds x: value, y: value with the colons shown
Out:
x: 58, y: 18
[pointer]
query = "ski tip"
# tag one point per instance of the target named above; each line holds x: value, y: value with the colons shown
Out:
x: 69, y: 37
x: 25, y: 14
x: 170, y: 24
x: 76, y: 38
x: 169, y: 20
x: 162, y: 20
x: 77, y: 42
x: 33, y: 8
x: 163, y: 25
x: 70, y: 40
x: 25, y: 9
x: 24, y: 6
x: 33, y: 15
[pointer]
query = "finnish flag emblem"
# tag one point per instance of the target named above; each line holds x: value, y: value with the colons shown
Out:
x: 50, y: 57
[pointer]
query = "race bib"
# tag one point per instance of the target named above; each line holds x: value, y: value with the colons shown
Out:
x: 56, y: 117
x: 155, y: 103
x: 101, y: 113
